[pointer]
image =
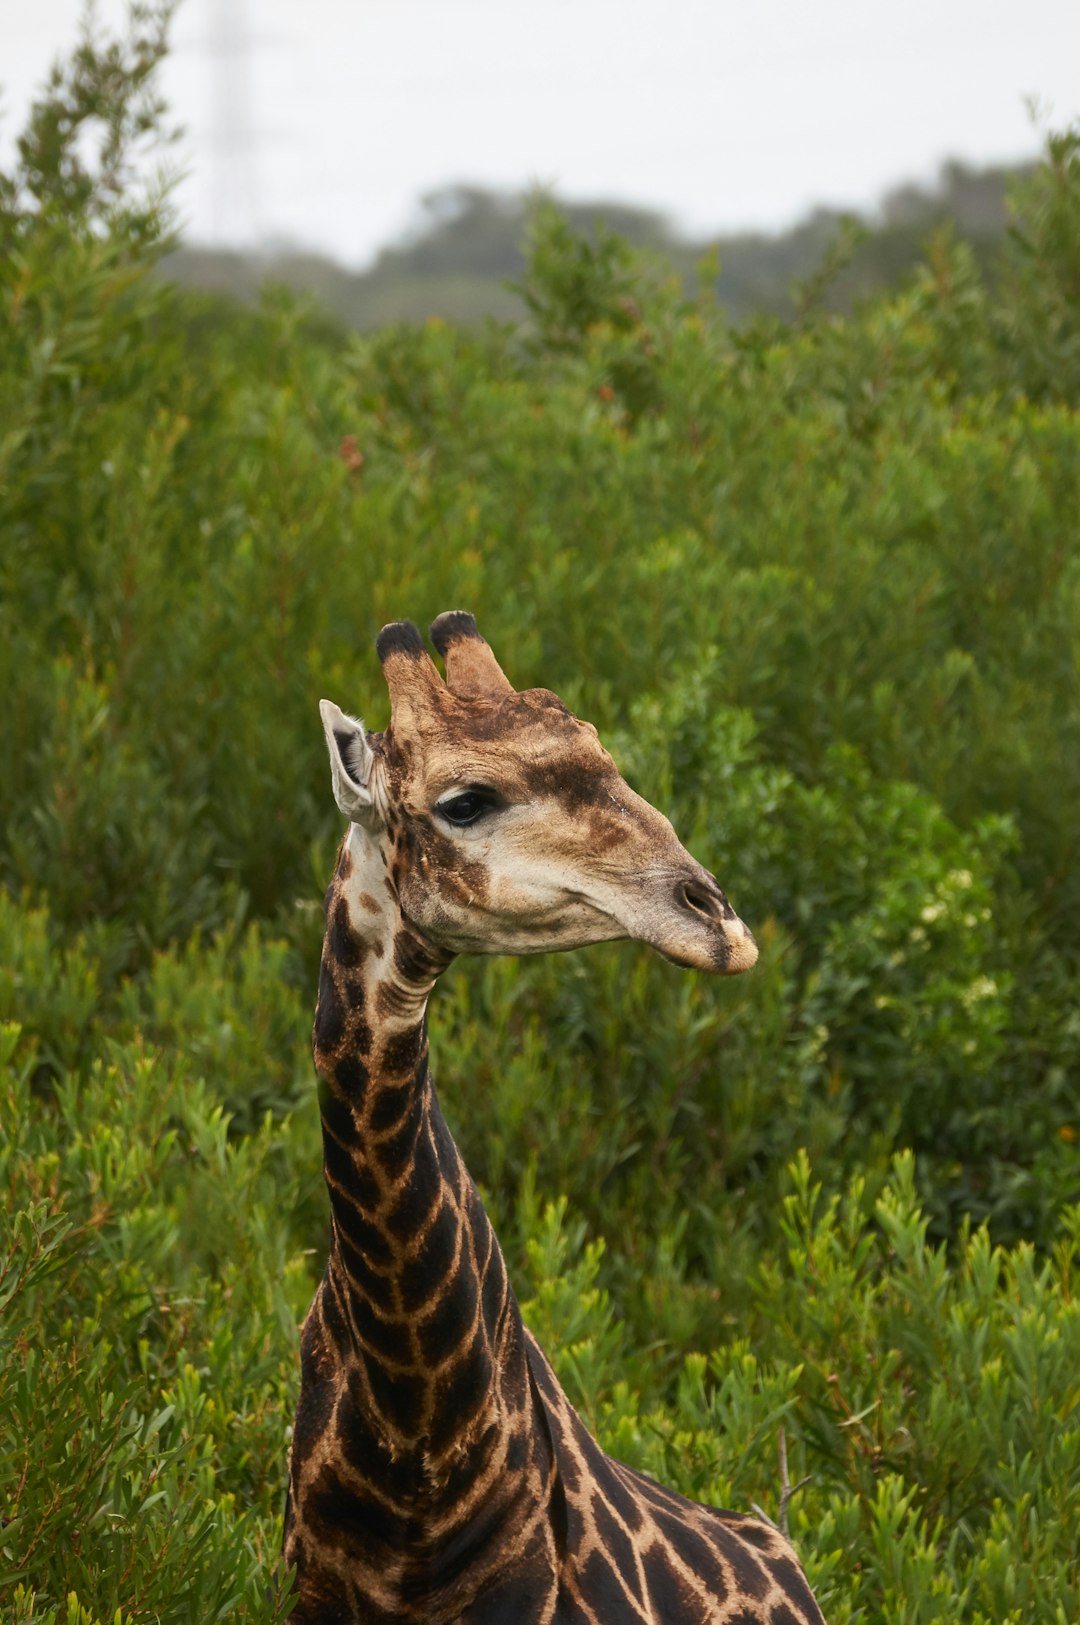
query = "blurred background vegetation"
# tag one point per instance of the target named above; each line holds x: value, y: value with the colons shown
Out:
x: 815, y: 574
x: 468, y: 250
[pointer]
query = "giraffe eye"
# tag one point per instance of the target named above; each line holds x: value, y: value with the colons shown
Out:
x: 466, y: 808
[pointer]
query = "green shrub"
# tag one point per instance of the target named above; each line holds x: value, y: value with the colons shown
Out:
x: 149, y: 1298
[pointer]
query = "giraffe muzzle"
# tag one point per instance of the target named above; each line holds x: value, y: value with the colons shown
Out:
x: 716, y: 939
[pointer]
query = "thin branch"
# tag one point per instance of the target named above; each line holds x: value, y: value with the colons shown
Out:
x: 788, y: 1491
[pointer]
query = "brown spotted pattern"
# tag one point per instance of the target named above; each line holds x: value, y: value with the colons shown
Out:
x: 438, y: 1472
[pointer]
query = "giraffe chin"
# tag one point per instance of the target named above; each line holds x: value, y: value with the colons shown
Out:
x: 742, y: 954
x: 727, y: 958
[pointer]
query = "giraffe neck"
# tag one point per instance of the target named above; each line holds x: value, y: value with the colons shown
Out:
x: 416, y: 1301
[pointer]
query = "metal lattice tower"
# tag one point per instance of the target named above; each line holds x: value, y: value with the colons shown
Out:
x: 235, y: 205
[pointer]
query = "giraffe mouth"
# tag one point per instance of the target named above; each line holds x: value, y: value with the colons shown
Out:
x: 729, y: 956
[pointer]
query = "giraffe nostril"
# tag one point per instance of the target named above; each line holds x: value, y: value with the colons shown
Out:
x: 695, y: 897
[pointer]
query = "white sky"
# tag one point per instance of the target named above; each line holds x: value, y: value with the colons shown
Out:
x: 720, y: 114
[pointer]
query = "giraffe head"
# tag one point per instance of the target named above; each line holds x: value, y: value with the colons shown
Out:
x: 503, y: 824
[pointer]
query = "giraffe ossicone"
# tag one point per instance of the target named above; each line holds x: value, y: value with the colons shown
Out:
x: 438, y: 1472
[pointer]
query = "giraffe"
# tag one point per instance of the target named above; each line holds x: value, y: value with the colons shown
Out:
x: 438, y: 1472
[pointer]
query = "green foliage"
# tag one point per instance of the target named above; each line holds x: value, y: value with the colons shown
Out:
x: 1043, y: 325
x: 933, y: 1403
x: 819, y: 586
x: 149, y: 1296
x: 150, y: 1285
x: 77, y: 168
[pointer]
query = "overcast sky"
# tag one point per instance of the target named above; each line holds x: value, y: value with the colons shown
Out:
x: 324, y: 121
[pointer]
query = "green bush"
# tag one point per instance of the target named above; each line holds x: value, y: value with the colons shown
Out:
x: 149, y: 1294
x: 150, y: 1285
x: 819, y: 586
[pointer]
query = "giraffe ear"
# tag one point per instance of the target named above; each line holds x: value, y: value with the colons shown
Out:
x: 351, y: 763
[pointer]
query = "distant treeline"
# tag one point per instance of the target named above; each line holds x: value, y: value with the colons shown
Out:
x: 470, y: 247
